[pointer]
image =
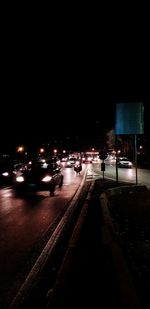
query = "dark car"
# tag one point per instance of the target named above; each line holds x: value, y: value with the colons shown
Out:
x: 43, y: 175
x: 6, y: 172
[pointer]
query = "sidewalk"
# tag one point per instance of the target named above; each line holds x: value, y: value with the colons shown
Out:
x: 92, y: 280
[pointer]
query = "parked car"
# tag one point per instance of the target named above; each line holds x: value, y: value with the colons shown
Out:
x: 42, y: 175
x: 124, y: 162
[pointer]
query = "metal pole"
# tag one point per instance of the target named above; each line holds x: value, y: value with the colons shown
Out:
x: 116, y: 160
x: 103, y: 171
x: 136, y: 159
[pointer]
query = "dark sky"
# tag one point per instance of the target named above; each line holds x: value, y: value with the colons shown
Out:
x: 61, y: 85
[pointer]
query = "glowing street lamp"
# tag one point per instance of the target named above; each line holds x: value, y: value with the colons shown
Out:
x: 20, y: 149
x: 41, y: 150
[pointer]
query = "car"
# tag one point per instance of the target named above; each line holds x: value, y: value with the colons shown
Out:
x: 6, y: 172
x: 71, y: 161
x: 41, y: 175
x: 124, y: 162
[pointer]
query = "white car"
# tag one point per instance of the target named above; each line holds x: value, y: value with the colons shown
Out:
x: 70, y: 162
x: 124, y: 162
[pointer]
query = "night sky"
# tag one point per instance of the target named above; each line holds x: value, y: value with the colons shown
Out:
x: 67, y: 121
x: 63, y: 112
x: 64, y: 88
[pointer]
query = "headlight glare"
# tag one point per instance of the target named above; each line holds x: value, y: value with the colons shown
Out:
x: 5, y: 174
x: 20, y: 179
x: 47, y: 178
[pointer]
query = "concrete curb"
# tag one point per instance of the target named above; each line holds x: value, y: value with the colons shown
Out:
x: 125, y: 189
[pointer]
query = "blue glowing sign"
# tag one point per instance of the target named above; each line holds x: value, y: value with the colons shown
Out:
x: 129, y: 118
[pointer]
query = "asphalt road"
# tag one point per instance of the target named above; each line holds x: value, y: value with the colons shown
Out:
x: 25, y: 225
x: 24, y: 222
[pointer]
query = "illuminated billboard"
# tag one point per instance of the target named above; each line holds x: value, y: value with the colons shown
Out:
x: 129, y: 118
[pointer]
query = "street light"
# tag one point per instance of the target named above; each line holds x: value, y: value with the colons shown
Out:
x: 55, y: 151
x: 20, y: 149
x: 41, y: 150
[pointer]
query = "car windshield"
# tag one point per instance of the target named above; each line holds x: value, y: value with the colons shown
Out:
x: 123, y: 159
x: 43, y: 165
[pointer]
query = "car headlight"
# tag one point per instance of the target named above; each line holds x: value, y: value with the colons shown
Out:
x: 47, y: 178
x: 6, y: 174
x: 20, y: 179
